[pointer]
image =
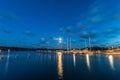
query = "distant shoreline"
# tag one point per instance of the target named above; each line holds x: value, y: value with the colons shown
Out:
x: 35, y: 49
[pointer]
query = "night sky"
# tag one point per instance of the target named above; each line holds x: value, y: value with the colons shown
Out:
x: 40, y: 23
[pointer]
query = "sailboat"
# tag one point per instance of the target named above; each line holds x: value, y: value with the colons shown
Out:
x: 86, y: 51
x: 113, y: 51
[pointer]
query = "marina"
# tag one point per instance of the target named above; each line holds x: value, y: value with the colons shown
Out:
x: 59, y: 39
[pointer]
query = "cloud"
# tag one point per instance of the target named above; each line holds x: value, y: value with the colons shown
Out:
x: 113, y: 30
x: 43, y: 41
x: 84, y: 35
x: 97, y: 19
x: 28, y: 33
x: 6, y: 30
x: 96, y: 8
x: 109, y: 36
x: 116, y: 16
x: 7, y: 16
x: 68, y: 30
x: 87, y: 34
x: 54, y: 38
x: 100, y: 12
x: 73, y: 41
x: 82, y: 26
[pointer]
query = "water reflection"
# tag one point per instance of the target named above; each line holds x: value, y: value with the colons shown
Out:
x: 74, y: 60
x: 65, y: 66
x: 88, y: 61
x: 111, y: 61
x: 16, y: 56
x: 0, y: 51
x: 1, y: 57
x: 7, y: 62
x: 28, y: 56
x: 60, y: 65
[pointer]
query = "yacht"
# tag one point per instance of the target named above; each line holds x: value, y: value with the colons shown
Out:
x: 113, y: 51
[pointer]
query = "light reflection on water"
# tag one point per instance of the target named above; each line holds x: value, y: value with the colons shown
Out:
x: 111, y: 61
x: 88, y: 61
x: 74, y: 60
x: 62, y: 64
x: 7, y: 62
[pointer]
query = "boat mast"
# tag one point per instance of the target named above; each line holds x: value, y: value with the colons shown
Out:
x: 85, y: 43
x: 70, y: 43
x: 89, y: 43
x: 67, y: 45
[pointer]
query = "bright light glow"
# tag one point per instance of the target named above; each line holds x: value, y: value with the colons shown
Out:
x: 111, y: 61
x: 60, y: 40
x: 74, y: 60
x: 60, y: 65
x: 88, y: 61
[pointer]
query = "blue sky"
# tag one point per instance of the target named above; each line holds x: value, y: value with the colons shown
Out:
x: 39, y: 23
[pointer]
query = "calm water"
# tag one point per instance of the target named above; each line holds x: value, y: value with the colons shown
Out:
x: 58, y: 66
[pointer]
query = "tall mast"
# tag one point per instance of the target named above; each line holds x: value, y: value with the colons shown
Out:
x: 67, y: 45
x: 89, y: 43
x: 85, y: 43
x: 70, y: 43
